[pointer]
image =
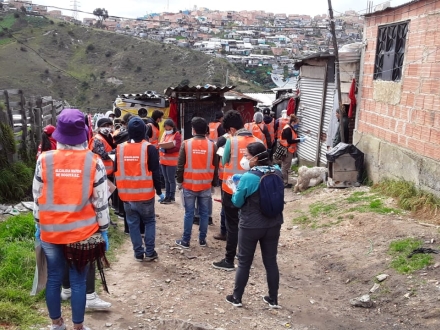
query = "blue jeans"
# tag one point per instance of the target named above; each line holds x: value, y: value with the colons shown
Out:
x: 169, y: 174
x: 196, y: 209
x: 202, y: 197
x: 55, y: 272
x: 137, y: 212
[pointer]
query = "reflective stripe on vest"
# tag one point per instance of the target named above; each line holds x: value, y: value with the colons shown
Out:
x: 133, y: 179
x: 168, y: 159
x: 290, y: 147
x: 213, y: 131
x: 281, y: 123
x: 199, y: 171
x: 238, y: 148
x: 256, y: 131
x: 108, y: 163
x: 66, y: 212
x: 154, y: 140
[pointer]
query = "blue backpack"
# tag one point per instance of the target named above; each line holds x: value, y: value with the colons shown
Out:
x: 271, y: 191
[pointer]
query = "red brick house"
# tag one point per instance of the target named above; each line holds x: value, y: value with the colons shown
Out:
x: 398, y: 126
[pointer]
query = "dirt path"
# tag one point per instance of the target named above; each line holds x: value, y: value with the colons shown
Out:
x: 322, y: 268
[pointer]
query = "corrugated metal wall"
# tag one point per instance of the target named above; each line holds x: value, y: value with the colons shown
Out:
x: 310, y: 112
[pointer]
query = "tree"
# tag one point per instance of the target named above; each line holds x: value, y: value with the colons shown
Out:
x: 102, y: 15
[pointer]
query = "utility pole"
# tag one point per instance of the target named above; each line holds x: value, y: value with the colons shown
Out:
x: 75, y: 4
x: 337, y: 73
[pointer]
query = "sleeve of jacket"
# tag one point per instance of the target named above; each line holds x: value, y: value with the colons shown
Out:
x: 215, y: 160
x: 148, y: 132
x: 267, y: 136
x: 220, y: 131
x: 287, y: 135
x: 154, y: 167
x: 181, y: 164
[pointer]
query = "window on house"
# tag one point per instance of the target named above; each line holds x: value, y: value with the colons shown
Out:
x: 390, y: 51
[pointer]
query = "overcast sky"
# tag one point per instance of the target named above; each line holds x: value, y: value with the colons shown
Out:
x: 138, y: 8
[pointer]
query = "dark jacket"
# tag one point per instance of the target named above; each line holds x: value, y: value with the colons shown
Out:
x: 149, y: 131
x: 337, y: 137
x: 182, y: 161
x: 287, y: 135
x: 153, y: 166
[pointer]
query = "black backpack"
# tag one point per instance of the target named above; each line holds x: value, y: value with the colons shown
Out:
x: 271, y: 191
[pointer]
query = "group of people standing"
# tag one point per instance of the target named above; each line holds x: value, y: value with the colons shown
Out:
x: 71, y: 194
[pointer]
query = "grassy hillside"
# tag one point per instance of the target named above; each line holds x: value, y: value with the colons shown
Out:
x: 99, y: 64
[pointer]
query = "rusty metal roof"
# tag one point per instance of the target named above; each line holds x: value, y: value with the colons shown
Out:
x: 197, y: 89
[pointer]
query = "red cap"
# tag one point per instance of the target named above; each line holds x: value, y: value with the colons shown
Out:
x: 49, y: 129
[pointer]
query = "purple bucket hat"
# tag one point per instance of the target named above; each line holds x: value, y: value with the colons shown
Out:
x: 71, y: 127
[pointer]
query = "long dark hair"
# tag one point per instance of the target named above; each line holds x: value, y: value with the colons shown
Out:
x: 258, y: 148
x: 45, y: 142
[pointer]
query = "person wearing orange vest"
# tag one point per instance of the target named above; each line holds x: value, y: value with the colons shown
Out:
x: 259, y: 129
x: 137, y: 173
x: 71, y: 213
x: 235, y: 148
x: 215, y: 128
x: 196, y: 175
x: 102, y: 143
x: 289, y: 139
x: 168, y: 159
x: 153, y: 130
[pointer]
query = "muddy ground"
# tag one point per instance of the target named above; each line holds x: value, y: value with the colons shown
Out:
x: 323, y: 265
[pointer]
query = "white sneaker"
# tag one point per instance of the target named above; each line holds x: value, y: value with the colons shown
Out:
x: 66, y: 293
x: 94, y: 302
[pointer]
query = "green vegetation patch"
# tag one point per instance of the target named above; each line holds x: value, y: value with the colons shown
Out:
x: 366, y: 202
x: 409, y: 197
x: 400, y: 250
x: 15, y: 182
x: 17, y: 266
x: 320, y: 208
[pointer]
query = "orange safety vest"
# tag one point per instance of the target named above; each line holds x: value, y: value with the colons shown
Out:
x: 281, y: 123
x: 213, y: 132
x: 290, y: 147
x: 67, y: 214
x: 271, y: 129
x: 108, y: 163
x: 238, y: 148
x: 220, y: 165
x: 257, y: 131
x: 199, y: 171
x: 154, y: 140
x: 169, y: 159
x: 134, y: 180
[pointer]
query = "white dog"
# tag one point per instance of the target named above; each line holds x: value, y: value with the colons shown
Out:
x: 305, y: 174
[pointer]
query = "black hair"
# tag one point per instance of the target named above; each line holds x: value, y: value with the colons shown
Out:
x: 232, y: 119
x: 343, y: 114
x: 45, y: 142
x: 145, y: 120
x: 157, y: 114
x: 258, y: 148
x: 126, y: 118
x: 199, y: 125
x: 170, y: 122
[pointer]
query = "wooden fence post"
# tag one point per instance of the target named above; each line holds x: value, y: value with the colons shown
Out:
x: 24, y: 129
x: 54, y: 114
x: 33, y: 132
x: 8, y: 109
x: 37, y: 115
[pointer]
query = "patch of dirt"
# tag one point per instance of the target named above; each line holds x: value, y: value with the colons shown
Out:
x: 320, y: 271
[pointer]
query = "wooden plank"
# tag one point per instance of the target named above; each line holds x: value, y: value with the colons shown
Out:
x: 38, y: 124
x: 8, y: 108
x: 14, y: 104
x: 16, y: 112
x: 47, y: 117
x: 54, y: 114
x: 17, y: 129
x: 23, y: 122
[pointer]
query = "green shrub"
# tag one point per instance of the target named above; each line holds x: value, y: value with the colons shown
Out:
x: 15, y: 182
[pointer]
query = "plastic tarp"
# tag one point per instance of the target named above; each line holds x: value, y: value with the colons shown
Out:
x: 343, y: 149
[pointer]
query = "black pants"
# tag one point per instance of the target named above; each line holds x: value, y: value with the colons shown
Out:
x: 247, y: 243
x: 231, y: 215
x: 90, y: 281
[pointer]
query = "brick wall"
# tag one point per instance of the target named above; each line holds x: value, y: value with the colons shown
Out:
x: 413, y: 123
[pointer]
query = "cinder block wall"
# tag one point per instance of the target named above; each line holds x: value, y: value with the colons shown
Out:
x: 403, y: 115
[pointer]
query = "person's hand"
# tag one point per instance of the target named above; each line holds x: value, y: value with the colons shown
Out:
x: 179, y: 186
x: 37, y: 232
x: 104, y: 235
x: 161, y: 197
x: 302, y: 139
x: 236, y: 178
x: 162, y: 150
